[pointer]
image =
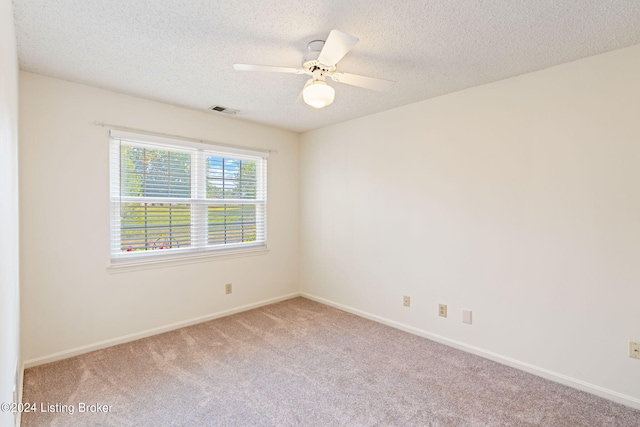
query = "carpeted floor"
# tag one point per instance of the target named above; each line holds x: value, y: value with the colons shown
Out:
x: 300, y: 363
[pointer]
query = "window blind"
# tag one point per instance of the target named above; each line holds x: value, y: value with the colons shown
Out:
x: 172, y: 198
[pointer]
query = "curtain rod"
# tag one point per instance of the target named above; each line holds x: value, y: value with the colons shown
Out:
x: 168, y: 135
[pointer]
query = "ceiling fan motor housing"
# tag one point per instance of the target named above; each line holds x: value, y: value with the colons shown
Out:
x: 310, y: 62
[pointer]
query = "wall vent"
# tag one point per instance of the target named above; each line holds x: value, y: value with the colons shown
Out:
x: 223, y: 110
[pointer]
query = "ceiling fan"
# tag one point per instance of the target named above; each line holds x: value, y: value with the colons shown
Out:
x: 320, y: 62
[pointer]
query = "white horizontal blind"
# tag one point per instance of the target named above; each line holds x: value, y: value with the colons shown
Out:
x: 171, y: 198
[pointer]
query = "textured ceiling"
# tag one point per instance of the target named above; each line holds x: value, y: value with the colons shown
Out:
x: 182, y: 52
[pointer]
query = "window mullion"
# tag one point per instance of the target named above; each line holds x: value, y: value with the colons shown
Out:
x: 198, y: 192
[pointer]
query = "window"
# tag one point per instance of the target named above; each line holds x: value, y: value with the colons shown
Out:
x: 172, y: 198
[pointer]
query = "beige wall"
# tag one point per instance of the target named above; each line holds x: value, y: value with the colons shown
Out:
x: 9, y: 264
x: 70, y: 299
x: 518, y: 200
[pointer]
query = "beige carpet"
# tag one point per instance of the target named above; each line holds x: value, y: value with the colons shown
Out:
x: 300, y: 363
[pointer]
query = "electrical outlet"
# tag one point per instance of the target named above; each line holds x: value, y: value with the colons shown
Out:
x: 442, y: 310
x: 634, y: 349
x: 406, y: 301
x: 466, y: 316
x: 228, y: 288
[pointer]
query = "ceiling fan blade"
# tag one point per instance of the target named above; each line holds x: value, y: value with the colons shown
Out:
x: 363, y: 81
x: 338, y: 44
x: 269, y: 68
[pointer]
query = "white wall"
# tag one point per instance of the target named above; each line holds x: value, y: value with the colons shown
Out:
x: 9, y: 264
x: 69, y: 297
x: 518, y: 200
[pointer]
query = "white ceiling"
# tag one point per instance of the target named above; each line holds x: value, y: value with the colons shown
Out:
x: 182, y: 52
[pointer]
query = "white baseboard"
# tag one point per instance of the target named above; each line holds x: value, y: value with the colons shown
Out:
x: 527, y: 367
x: 149, y: 332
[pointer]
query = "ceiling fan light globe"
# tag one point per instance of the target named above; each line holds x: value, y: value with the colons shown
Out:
x: 318, y: 94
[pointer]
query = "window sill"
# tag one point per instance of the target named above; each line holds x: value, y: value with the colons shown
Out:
x: 123, y: 266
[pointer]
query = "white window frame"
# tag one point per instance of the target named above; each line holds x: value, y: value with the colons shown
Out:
x: 199, y: 246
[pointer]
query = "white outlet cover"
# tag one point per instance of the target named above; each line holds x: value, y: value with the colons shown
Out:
x: 442, y: 310
x: 634, y: 349
x: 466, y: 316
